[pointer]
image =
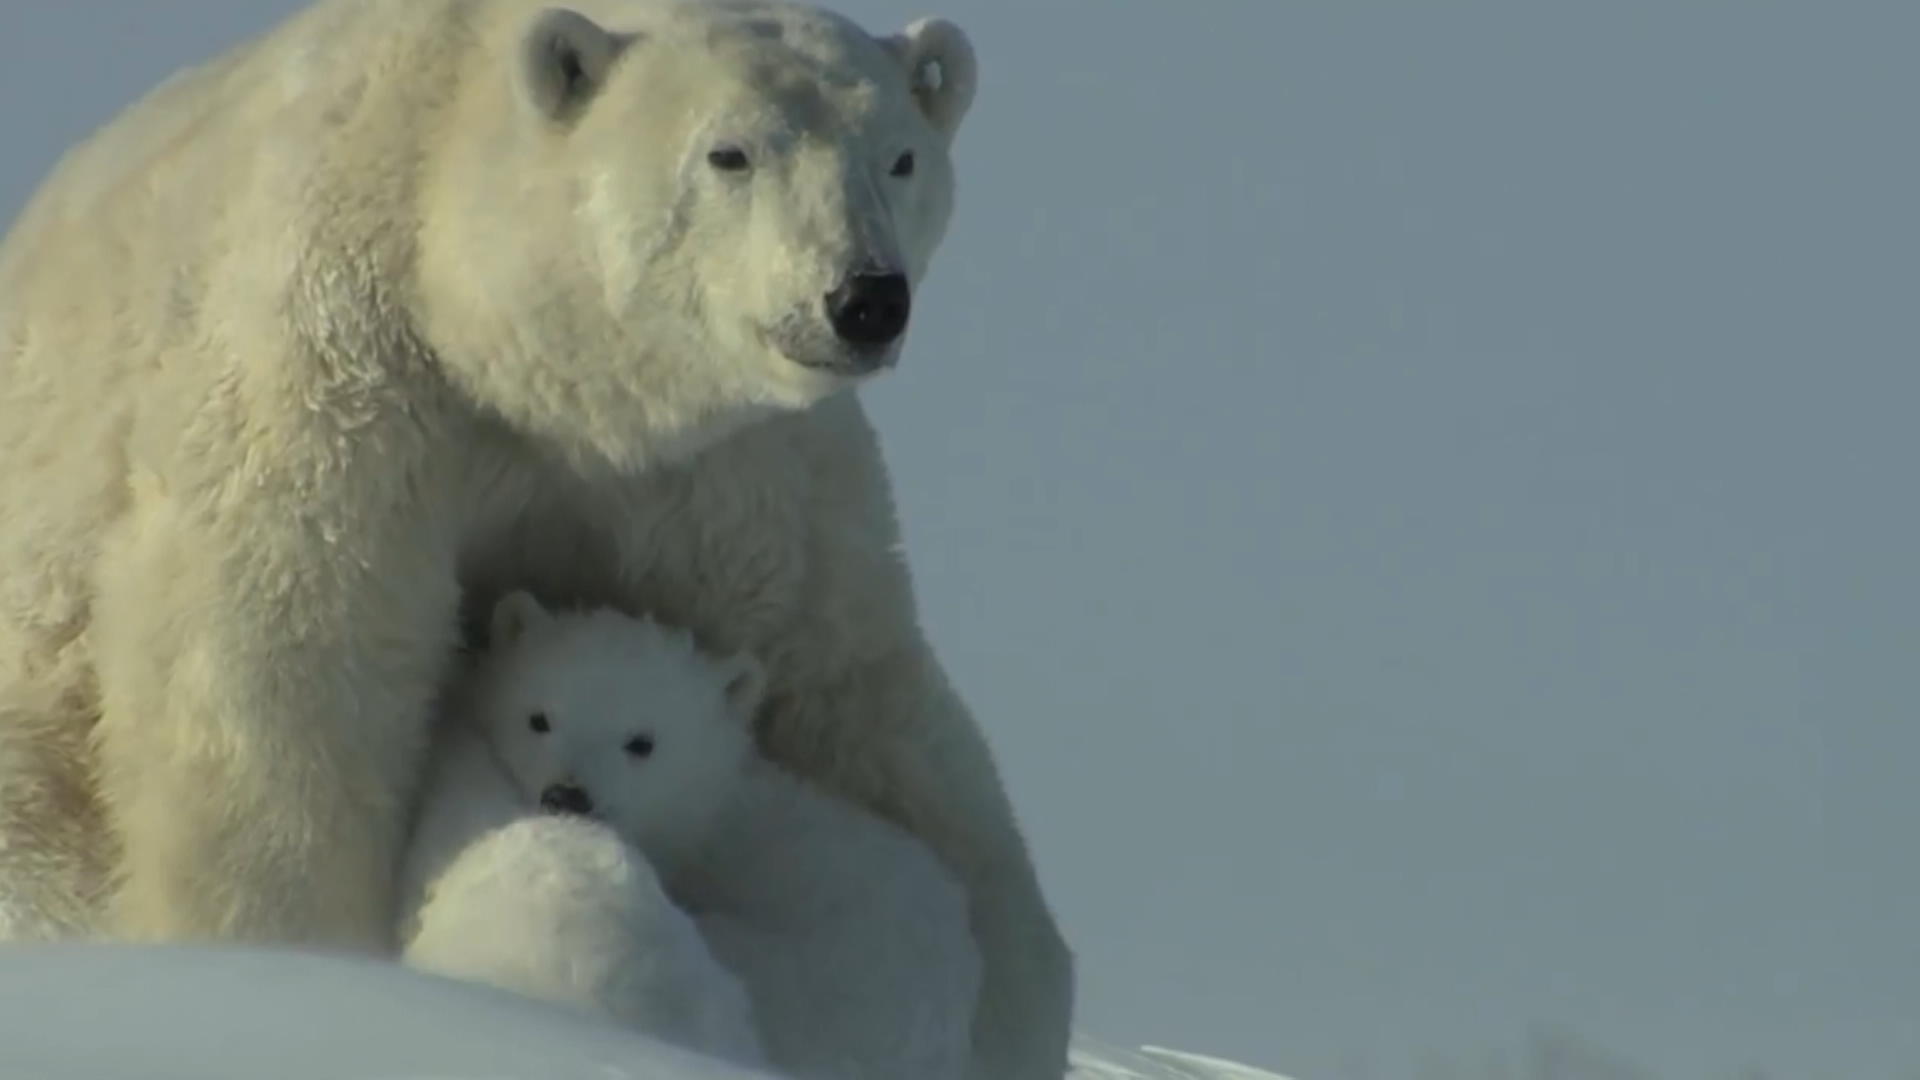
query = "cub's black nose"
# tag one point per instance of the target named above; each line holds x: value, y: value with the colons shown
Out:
x: 870, y: 310
x: 566, y: 799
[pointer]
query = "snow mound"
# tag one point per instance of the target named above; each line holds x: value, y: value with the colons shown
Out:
x: 127, y: 1012
x: 123, y: 1012
x: 1093, y: 1060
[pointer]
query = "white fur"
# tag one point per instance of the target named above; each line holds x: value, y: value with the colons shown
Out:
x: 562, y: 909
x: 851, y: 939
x: 338, y: 328
x: 559, y: 908
x: 597, y: 681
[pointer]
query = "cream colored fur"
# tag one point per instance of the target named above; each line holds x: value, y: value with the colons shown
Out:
x: 361, y: 319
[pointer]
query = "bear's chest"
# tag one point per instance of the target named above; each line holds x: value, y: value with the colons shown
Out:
x: 720, y: 551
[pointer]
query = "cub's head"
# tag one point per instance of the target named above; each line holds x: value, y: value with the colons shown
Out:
x: 659, y: 222
x: 602, y: 715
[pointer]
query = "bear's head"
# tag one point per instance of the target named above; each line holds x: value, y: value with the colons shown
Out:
x: 599, y: 714
x: 656, y: 222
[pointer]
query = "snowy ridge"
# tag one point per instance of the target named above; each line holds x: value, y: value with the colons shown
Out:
x: 1094, y: 1060
x: 122, y: 1012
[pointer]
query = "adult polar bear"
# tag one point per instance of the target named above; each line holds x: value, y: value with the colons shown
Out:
x: 410, y: 302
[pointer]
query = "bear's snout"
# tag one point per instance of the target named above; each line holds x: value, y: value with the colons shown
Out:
x: 871, y: 310
x: 566, y: 799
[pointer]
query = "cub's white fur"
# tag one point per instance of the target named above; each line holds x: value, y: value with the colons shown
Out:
x: 850, y: 937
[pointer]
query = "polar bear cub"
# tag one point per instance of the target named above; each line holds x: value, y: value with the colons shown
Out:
x: 851, y: 939
x: 560, y: 907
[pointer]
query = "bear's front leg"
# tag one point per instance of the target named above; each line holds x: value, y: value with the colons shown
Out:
x: 801, y: 509
x: 267, y: 666
x: 942, y: 784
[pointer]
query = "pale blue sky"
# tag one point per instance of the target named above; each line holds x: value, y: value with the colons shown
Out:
x: 1421, y: 497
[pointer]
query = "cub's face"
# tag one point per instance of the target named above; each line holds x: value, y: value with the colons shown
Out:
x: 730, y: 213
x: 615, y: 718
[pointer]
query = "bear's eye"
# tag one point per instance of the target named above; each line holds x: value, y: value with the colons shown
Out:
x: 729, y: 159
x: 903, y: 165
x: 538, y: 722
x: 640, y: 746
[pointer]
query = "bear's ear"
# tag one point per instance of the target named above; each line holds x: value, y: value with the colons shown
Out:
x: 564, y: 60
x: 515, y: 614
x: 940, y: 69
x: 746, y: 685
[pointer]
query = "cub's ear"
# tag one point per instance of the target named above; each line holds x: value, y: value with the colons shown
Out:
x: 514, y: 615
x: 746, y: 686
x: 564, y: 60
x: 940, y: 69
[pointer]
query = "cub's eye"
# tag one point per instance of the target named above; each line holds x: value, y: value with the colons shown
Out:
x: 729, y: 159
x: 903, y: 165
x: 538, y: 722
x: 640, y: 746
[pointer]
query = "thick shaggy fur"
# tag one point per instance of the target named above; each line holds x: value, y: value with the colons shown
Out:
x: 850, y: 937
x: 564, y: 910
x: 411, y: 301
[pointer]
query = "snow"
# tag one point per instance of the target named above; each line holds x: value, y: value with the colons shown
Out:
x: 125, y: 1012
x: 120, y: 1012
x: 1093, y: 1060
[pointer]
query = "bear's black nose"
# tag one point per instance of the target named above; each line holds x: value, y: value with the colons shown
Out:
x: 870, y: 310
x: 566, y: 799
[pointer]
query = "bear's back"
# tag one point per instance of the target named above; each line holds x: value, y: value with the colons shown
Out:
x: 258, y: 116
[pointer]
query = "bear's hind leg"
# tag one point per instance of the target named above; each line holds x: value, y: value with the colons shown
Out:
x: 55, y: 851
x: 265, y: 702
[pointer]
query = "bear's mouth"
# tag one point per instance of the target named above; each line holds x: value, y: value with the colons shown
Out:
x: 810, y: 347
x: 851, y: 363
